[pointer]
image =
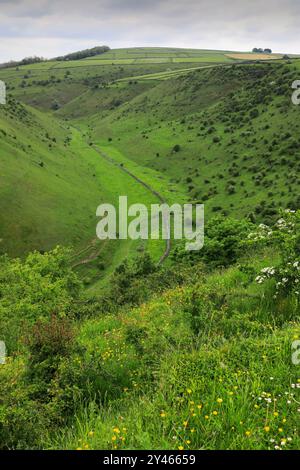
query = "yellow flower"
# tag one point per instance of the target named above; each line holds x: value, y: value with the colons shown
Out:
x: 256, y: 406
x: 79, y: 448
x: 86, y: 446
x: 206, y: 417
x: 284, y: 420
x: 189, y: 391
x: 185, y: 423
x: 267, y: 428
x: 192, y: 430
x: 220, y: 400
x: 248, y: 433
x: 188, y: 442
x: 180, y: 448
x: 280, y: 430
x: 215, y: 413
x: 116, y: 430
x: 199, y: 407
x: 91, y: 433
x: 114, y: 438
x: 162, y: 414
x: 276, y: 414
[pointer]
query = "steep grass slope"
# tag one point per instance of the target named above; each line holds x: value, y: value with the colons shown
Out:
x: 230, y: 135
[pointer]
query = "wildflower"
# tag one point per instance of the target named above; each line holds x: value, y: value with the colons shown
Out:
x: 276, y: 414
x: 206, y: 417
x: 189, y: 391
x: 114, y: 438
x: 180, y: 448
x: 188, y: 442
x: 117, y: 430
x: 219, y: 400
x: 199, y: 407
x: 185, y: 423
x: 162, y: 414
x: 280, y: 430
x: 91, y: 434
x: 215, y: 413
x: 248, y: 433
x: 267, y: 428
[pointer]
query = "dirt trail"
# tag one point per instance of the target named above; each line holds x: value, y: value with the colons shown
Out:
x: 147, y: 186
x: 93, y: 256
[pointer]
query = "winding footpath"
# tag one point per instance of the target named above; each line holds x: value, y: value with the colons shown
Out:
x: 149, y: 188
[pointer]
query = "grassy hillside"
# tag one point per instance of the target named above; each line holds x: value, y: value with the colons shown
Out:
x: 236, y: 133
x: 52, y: 181
x: 190, y: 357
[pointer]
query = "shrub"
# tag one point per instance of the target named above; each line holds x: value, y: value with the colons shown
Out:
x: 223, y: 242
x: 284, y: 236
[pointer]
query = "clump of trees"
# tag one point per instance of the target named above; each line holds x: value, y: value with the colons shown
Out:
x: 25, y: 61
x: 85, y: 53
x: 73, y: 56
x: 259, y: 50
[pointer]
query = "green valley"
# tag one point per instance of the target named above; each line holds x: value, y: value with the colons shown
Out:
x: 139, y: 344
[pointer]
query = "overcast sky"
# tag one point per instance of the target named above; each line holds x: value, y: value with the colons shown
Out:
x: 54, y: 27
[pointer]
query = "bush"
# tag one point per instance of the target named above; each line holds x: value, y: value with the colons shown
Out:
x: 223, y: 242
x: 284, y: 236
x: 35, y: 289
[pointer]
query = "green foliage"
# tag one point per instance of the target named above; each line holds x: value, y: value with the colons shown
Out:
x: 223, y: 244
x: 284, y: 236
x: 33, y: 290
x: 85, y: 53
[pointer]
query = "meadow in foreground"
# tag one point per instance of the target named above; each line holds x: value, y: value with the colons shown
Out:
x: 196, y: 358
